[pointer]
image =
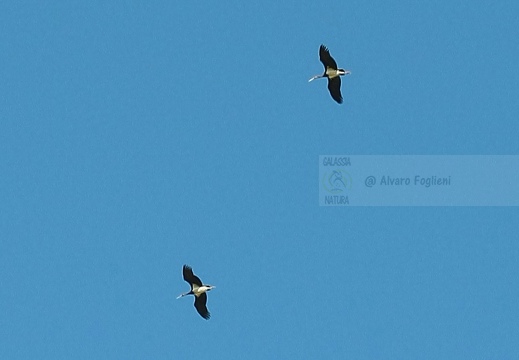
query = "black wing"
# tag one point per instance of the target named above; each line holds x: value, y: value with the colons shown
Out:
x: 334, y: 85
x: 190, y: 277
x: 200, y: 302
x: 326, y: 58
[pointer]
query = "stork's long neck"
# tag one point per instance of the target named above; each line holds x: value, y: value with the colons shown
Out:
x: 316, y: 77
x: 184, y: 294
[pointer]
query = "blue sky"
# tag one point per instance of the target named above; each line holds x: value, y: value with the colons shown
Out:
x: 139, y: 136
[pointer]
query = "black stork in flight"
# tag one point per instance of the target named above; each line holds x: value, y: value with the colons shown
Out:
x: 198, y: 290
x: 332, y: 73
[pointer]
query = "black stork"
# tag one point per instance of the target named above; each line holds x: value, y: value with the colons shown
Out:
x: 198, y: 290
x: 332, y: 73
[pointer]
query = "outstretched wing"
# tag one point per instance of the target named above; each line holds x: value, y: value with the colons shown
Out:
x: 190, y: 277
x: 334, y: 85
x: 200, y: 302
x: 326, y: 58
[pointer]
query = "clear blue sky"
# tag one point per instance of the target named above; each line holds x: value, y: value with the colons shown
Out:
x: 139, y: 136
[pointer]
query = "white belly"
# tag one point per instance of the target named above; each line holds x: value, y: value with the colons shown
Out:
x: 200, y: 290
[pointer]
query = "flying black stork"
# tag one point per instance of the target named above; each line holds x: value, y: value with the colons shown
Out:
x: 198, y: 290
x: 332, y: 73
